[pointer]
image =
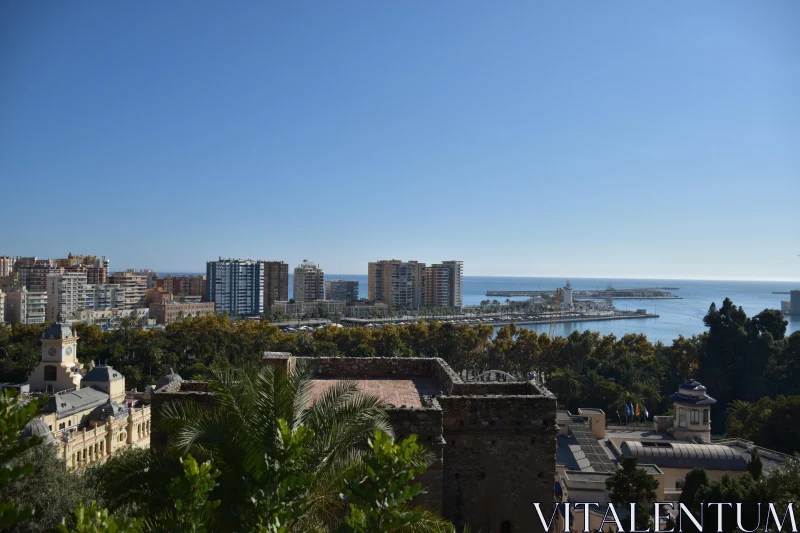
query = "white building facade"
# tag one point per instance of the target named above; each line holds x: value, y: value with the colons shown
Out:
x: 26, y: 307
x: 65, y: 294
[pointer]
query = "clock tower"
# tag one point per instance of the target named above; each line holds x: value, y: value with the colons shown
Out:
x: 59, y: 369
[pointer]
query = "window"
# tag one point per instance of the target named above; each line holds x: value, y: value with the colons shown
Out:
x: 505, y: 527
x: 705, y: 416
x: 50, y: 373
x: 682, y: 418
x: 695, y: 416
x: 680, y: 483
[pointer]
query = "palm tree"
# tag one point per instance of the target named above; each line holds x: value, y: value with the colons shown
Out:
x: 626, y: 398
x: 241, y: 434
x: 565, y: 385
x: 650, y: 392
x: 740, y: 409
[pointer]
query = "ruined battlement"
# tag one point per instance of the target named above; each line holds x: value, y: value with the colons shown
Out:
x: 494, y: 441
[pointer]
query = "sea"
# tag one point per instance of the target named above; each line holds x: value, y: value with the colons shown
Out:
x: 676, y: 317
x: 683, y: 316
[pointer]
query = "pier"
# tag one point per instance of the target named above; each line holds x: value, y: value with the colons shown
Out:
x: 502, y: 319
x: 644, y: 293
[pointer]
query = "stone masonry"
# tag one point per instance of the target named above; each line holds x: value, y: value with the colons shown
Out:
x: 494, y: 441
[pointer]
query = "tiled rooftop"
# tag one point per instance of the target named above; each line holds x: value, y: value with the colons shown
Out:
x: 397, y: 392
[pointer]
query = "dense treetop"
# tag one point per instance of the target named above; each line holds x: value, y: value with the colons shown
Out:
x: 739, y: 358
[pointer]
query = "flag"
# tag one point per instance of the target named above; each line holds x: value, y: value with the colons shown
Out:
x: 637, y: 409
x: 627, y: 409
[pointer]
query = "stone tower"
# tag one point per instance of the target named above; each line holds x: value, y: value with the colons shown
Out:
x: 58, y: 370
x: 692, y: 406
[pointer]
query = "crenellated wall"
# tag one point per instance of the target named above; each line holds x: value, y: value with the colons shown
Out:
x: 371, y: 367
x: 494, y: 442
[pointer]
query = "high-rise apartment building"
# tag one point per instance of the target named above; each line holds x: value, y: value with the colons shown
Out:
x: 2, y: 307
x: 443, y: 286
x: 23, y: 262
x: 65, y: 294
x: 68, y: 293
x: 34, y: 277
x: 276, y: 282
x: 150, y: 276
x: 6, y: 265
x: 339, y: 290
x: 95, y: 275
x: 396, y: 283
x: 236, y: 286
x: 183, y: 285
x: 135, y: 286
x: 26, y: 307
x: 309, y: 282
x: 104, y: 297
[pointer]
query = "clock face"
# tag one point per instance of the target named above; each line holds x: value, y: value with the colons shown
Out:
x: 69, y: 350
x: 52, y: 352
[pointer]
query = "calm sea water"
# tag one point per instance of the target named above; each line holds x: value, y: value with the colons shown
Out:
x: 677, y: 317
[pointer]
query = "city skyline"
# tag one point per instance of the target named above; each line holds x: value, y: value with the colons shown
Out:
x: 364, y: 272
x: 527, y: 140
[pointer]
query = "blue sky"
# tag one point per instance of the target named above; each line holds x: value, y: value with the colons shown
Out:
x: 624, y: 139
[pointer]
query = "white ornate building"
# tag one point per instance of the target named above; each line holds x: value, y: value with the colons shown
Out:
x: 86, y: 416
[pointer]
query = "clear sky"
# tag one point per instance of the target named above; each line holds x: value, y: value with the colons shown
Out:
x: 635, y: 139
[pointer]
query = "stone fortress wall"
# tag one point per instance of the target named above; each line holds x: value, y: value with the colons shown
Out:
x: 494, y: 441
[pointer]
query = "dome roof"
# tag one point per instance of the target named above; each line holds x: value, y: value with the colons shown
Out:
x: 108, y: 409
x: 37, y: 427
x: 102, y: 373
x: 172, y: 377
x: 692, y: 392
x: 58, y: 329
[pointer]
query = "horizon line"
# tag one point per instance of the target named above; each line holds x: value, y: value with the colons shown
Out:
x: 651, y: 278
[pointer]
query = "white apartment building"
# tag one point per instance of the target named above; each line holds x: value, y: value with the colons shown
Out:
x: 68, y: 293
x: 2, y: 307
x: 309, y: 283
x: 150, y: 275
x: 26, y: 307
x: 6, y: 265
x: 108, y: 297
x: 135, y: 285
x: 65, y: 294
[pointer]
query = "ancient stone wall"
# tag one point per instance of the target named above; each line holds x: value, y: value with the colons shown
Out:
x: 426, y: 424
x: 190, y: 391
x: 498, y: 458
x: 494, y: 442
x: 372, y: 367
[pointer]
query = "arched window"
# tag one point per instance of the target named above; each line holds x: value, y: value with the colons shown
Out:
x: 505, y: 527
x: 50, y: 373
